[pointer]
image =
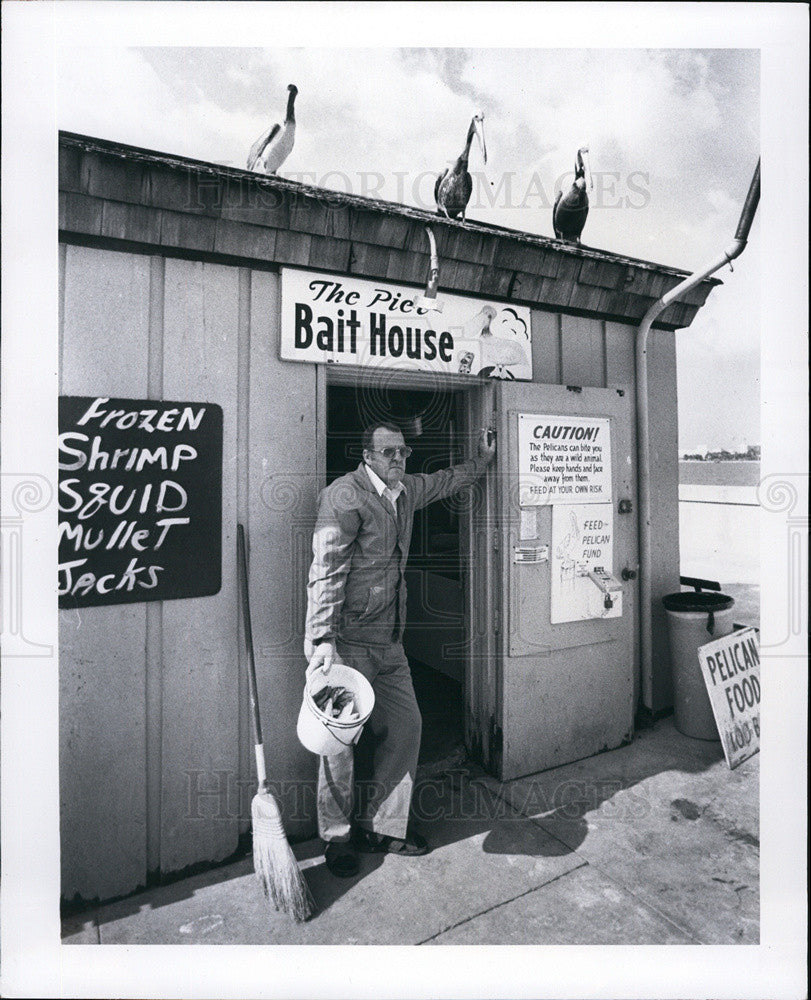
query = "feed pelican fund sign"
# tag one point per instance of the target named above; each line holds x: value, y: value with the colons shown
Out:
x: 330, y: 319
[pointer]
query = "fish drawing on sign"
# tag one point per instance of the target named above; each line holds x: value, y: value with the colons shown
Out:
x: 565, y: 552
x: 465, y: 362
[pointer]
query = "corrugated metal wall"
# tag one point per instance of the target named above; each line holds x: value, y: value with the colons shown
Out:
x: 156, y: 751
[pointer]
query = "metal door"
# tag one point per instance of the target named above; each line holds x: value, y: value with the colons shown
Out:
x: 565, y: 688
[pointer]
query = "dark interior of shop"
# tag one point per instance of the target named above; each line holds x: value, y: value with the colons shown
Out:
x: 434, y: 634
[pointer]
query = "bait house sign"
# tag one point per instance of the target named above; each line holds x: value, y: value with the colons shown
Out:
x: 330, y: 319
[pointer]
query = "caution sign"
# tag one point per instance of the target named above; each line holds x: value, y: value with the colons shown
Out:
x: 582, y: 543
x: 564, y: 459
x: 731, y: 669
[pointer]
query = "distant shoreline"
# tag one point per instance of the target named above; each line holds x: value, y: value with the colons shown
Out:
x: 729, y: 472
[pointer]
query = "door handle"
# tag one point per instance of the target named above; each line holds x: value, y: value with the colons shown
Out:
x: 628, y: 574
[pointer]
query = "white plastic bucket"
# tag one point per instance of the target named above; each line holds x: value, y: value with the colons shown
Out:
x: 322, y: 734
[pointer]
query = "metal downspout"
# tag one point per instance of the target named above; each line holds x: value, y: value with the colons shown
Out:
x: 735, y: 249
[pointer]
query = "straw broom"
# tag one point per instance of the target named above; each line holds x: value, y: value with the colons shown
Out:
x: 273, y: 860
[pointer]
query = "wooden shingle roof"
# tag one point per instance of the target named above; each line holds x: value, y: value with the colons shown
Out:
x: 126, y: 197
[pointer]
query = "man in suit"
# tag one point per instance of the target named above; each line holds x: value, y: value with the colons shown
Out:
x: 356, y: 606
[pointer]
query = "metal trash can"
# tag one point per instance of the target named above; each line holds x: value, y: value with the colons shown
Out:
x: 694, y: 619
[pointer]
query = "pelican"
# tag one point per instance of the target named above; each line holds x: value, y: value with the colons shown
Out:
x: 570, y: 211
x: 453, y: 188
x: 273, y: 147
x: 479, y: 325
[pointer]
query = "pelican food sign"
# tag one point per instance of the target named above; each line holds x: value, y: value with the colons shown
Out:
x: 140, y: 500
x: 330, y: 319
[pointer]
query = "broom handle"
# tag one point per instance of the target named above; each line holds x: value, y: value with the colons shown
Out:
x: 246, y: 617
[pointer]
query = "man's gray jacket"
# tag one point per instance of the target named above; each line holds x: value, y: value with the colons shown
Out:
x: 360, y: 549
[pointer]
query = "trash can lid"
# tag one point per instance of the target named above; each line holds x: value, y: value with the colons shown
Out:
x: 700, y: 602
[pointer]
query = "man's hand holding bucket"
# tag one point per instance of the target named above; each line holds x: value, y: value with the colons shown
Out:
x: 320, y: 656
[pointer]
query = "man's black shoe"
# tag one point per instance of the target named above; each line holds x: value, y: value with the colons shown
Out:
x: 369, y: 842
x: 341, y: 860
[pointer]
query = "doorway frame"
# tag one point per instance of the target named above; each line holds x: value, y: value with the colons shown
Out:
x: 478, y: 542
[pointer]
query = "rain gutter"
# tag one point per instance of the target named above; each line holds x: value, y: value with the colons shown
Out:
x: 735, y: 249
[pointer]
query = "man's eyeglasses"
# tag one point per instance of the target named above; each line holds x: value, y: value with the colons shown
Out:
x: 389, y: 453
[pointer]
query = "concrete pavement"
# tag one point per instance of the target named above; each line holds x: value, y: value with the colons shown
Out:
x: 654, y: 843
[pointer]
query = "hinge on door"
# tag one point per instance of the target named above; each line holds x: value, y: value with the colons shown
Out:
x: 496, y: 738
x: 496, y: 621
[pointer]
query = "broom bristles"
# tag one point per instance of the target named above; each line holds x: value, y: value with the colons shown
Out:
x: 274, y: 861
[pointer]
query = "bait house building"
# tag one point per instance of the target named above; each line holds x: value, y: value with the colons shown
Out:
x: 224, y: 338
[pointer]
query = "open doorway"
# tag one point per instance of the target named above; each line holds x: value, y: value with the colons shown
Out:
x: 434, y: 637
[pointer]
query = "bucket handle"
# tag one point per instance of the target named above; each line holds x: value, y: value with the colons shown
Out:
x: 326, y: 725
x: 335, y: 736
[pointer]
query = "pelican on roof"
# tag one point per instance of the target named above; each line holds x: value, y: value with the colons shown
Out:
x: 273, y: 147
x: 453, y: 187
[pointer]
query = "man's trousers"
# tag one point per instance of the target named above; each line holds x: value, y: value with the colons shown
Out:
x: 375, y: 790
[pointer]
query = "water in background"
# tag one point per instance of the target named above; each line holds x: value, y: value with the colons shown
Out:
x: 719, y: 530
x: 719, y: 473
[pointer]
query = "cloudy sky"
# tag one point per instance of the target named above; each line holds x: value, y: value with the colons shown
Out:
x: 673, y: 134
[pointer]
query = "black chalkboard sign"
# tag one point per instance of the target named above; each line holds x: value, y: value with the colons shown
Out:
x: 140, y: 500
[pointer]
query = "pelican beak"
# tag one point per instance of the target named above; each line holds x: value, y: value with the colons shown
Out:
x: 587, y: 165
x: 479, y: 126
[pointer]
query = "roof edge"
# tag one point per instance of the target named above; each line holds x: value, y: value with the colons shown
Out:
x: 173, y: 161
